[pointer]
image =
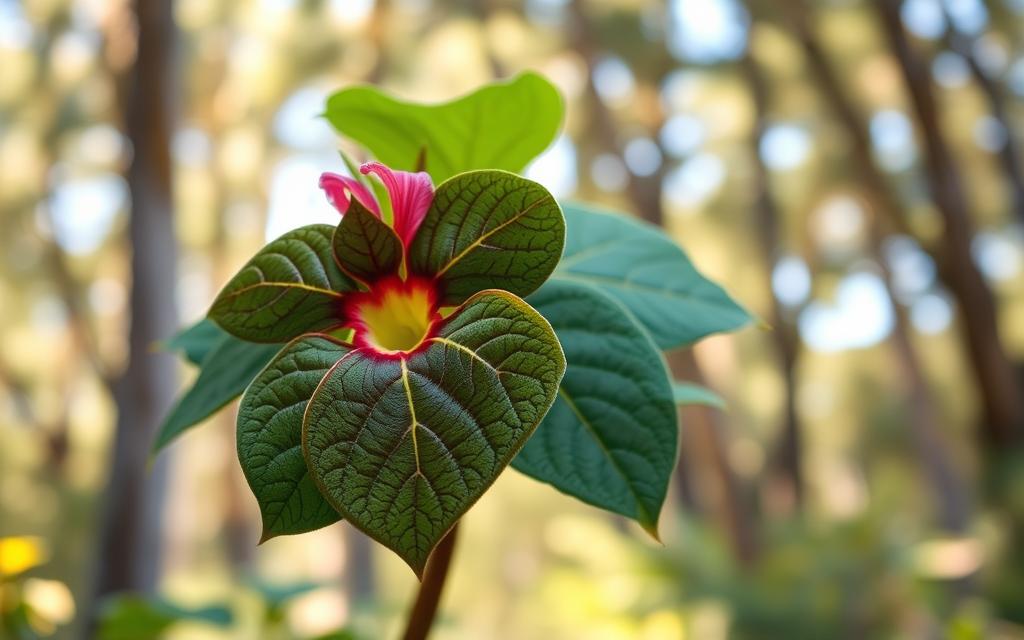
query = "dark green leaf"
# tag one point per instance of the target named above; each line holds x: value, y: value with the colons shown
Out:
x: 641, y: 267
x: 689, y: 393
x: 292, y: 286
x: 501, y: 126
x: 488, y: 230
x: 270, y: 437
x: 610, y: 438
x: 223, y: 375
x: 196, y: 341
x: 365, y: 247
x: 402, y: 448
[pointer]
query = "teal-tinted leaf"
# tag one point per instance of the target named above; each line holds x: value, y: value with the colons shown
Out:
x: 610, y: 439
x: 488, y: 230
x: 402, y: 448
x: 641, y: 267
x: 501, y: 126
x: 223, y: 375
x: 689, y: 393
x: 270, y: 437
x: 196, y: 341
x: 292, y: 286
x: 366, y: 248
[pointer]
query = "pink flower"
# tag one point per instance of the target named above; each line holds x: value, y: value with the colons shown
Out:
x: 410, y: 193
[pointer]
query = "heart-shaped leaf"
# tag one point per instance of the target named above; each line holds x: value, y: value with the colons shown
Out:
x: 224, y: 374
x: 365, y: 247
x: 501, y: 126
x: 270, y: 436
x: 638, y: 265
x: 610, y: 439
x: 403, y: 447
x: 290, y: 287
x: 488, y: 230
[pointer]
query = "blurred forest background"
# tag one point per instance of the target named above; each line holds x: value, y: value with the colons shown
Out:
x: 851, y: 170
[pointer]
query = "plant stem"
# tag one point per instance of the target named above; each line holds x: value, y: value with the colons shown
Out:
x: 423, y: 611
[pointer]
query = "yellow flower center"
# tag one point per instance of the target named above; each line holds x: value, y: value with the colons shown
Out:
x: 395, y: 317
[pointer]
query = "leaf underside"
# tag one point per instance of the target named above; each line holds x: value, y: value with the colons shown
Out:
x: 611, y: 437
x: 488, y: 230
x: 290, y: 287
x: 686, y: 393
x: 365, y: 247
x: 224, y: 374
x: 402, y: 448
x: 270, y: 437
x: 500, y: 126
x: 642, y: 268
x: 195, y: 341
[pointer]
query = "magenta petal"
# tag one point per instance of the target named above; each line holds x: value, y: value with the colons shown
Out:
x: 338, y: 188
x: 411, y: 195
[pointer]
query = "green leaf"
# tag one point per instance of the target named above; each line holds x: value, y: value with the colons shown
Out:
x: 365, y: 247
x: 290, y: 287
x: 134, y: 617
x: 223, y: 375
x: 643, y: 269
x: 689, y: 393
x: 270, y: 437
x: 503, y: 125
x: 195, y: 341
x: 403, y: 447
x: 610, y: 439
x: 488, y: 230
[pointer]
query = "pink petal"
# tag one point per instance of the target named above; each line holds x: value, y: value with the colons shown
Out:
x: 411, y: 195
x: 339, y: 188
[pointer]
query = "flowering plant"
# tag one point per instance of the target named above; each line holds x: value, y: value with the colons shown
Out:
x: 394, y: 365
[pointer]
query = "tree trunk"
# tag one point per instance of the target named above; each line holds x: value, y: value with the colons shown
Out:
x: 787, y: 459
x: 1003, y: 420
x: 128, y: 550
x: 993, y: 377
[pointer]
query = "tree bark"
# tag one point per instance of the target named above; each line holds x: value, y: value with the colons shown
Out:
x: 129, y: 546
x: 1003, y: 420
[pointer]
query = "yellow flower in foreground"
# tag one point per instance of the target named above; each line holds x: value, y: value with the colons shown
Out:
x: 20, y: 553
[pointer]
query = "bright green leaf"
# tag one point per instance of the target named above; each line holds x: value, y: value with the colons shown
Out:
x: 223, y: 375
x: 689, y: 393
x: 365, y: 247
x: 196, y: 341
x: 610, y: 438
x: 402, y: 448
x: 488, y: 230
x: 501, y: 126
x: 290, y: 287
x: 270, y: 437
x: 642, y: 268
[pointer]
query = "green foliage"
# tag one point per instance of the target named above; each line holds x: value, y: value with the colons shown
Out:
x: 224, y: 373
x: 196, y: 341
x: 488, y: 230
x: 132, y: 617
x: 366, y: 248
x: 503, y: 125
x: 292, y: 286
x: 611, y: 436
x: 270, y: 437
x: 403, y: 447
x: 688, y: 393
x: 643, y: 269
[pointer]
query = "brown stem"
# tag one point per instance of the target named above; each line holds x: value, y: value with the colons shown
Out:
x: 424, y: 609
